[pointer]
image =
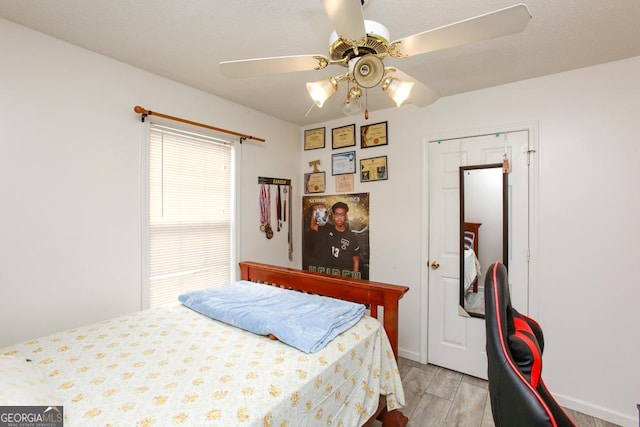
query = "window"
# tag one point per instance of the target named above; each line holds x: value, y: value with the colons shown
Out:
x: 190, y: 213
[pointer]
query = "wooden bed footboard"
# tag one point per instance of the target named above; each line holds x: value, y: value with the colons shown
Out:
x: 372, y: 294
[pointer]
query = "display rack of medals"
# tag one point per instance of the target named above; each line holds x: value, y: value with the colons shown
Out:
x: 282, y: 192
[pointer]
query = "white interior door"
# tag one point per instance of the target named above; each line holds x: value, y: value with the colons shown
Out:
x: 455, y: 340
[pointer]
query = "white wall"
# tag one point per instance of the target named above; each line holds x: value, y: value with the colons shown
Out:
x: 586, y: 292
x: 70, y: 174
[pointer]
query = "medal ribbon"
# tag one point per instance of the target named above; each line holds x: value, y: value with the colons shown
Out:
x: 284, y: 210
x: 290, y: 224
x: 278, y: 210
x: 265, y: 204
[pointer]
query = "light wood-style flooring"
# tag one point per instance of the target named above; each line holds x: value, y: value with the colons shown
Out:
x: 435, y: 396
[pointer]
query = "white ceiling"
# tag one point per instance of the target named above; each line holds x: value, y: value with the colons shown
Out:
x: 185, y: 41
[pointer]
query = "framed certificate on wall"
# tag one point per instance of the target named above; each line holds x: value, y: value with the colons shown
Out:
x: 314, y: 182
x: 314, y: 139
x: 344, y: 136
x: 373, y: 135
x: 373, y: 169
x: 343, y: 163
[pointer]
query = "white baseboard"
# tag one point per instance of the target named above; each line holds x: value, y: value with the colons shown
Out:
x: 411, y: 355
x: 624, y: 420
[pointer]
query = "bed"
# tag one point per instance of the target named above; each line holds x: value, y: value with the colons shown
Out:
x: 172, y: 366
x: 472, y: 267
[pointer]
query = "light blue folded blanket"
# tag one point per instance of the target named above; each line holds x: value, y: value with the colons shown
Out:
x: 306, y: 322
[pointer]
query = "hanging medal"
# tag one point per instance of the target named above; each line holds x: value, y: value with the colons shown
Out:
x: 263, y: 193
x: 278, y: 210
x: 267, y: 226
x: 284, y: 211
x: 265, y: 205
x: 290, y: 224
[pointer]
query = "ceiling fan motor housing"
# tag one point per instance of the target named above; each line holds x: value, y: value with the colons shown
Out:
x: 376, y: 42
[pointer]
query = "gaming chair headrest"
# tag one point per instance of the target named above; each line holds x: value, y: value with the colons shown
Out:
x: 521, y: 337
x: 497, y: 297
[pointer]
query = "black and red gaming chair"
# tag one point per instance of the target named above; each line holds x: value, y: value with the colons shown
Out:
x: 515, y: 343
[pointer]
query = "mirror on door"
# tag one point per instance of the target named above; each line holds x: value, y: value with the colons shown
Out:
x: 483, y: 230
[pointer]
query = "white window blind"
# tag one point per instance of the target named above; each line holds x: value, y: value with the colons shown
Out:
x: 190, y: 213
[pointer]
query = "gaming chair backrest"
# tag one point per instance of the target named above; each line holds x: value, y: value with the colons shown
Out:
x: 514, y: 352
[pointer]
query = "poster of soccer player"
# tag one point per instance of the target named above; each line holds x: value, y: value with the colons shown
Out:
x: 335, y: 235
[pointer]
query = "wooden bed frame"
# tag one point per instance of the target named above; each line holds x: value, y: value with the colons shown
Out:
x: 373, y: 294
x: 475, y: 228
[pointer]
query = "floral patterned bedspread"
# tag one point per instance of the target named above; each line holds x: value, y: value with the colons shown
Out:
x: 173, y: 366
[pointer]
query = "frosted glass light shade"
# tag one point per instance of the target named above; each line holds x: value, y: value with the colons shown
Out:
x: 322, y: 90
x: 352, y: 107
x: 397, y: 89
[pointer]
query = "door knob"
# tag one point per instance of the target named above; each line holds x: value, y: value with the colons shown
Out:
x: 435, y: 265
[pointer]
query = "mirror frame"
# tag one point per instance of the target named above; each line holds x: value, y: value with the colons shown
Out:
x: 505, y: 226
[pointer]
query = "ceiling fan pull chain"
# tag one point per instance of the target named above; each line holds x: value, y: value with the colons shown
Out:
x: 366, y: 103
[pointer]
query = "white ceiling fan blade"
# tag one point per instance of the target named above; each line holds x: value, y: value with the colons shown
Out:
x: 499, y: 23
x: 274, y: 65
x: 346, y: 18
x: 421, y: 94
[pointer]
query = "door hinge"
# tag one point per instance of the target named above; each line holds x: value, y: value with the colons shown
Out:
x: 529, y: 153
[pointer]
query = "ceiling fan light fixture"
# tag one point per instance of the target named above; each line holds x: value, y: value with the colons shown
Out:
x: 397, y: 89
x: 352, y: 106
x: 361, y: 46
x: 354, y: 92
x: 367, y: 70
x: 322, y: 90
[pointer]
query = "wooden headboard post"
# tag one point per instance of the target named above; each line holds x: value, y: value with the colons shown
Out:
x: 372, y: 294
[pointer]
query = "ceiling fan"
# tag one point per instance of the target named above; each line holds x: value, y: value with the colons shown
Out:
x: 361, y: 46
